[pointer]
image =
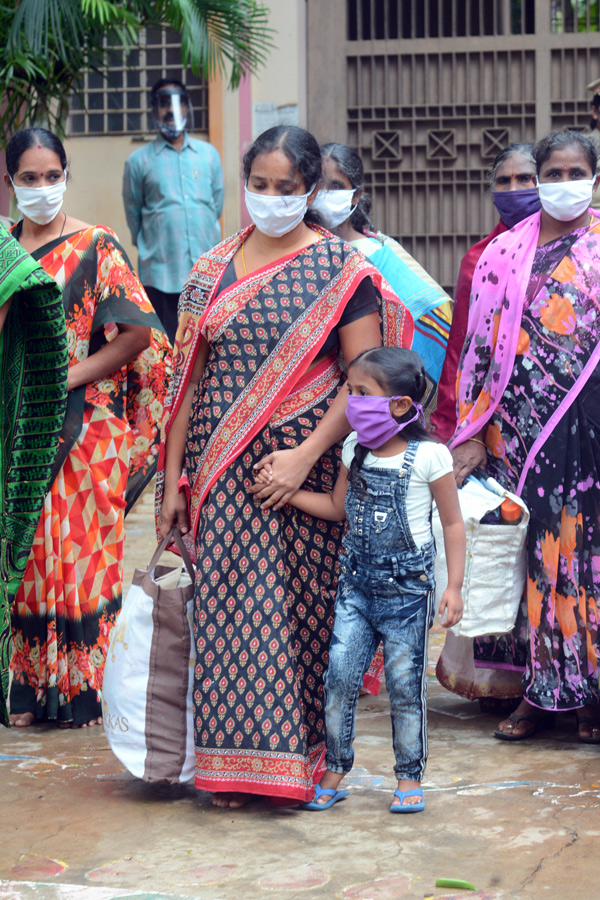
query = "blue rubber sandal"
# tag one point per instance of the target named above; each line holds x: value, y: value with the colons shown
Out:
x: 319, y: 791
x: 408, y: 807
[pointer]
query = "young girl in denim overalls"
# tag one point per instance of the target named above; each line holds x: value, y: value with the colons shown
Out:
x: 390, y: 474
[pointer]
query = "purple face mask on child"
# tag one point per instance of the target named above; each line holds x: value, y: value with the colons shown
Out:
x: 371, y: 419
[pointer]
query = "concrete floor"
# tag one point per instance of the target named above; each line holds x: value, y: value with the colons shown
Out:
x: 515, y: 820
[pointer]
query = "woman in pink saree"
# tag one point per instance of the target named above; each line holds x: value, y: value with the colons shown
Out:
x: 529, y: 411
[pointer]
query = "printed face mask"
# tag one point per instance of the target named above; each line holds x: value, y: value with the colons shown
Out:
x: 566, y: 200
x: 276, y: 215
x: 371, y: 419
x: 514, y: 206
x: 40, y: 204
x: 334, y: 207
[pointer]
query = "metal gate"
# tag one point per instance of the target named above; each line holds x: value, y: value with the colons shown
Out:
x: 428, y: 91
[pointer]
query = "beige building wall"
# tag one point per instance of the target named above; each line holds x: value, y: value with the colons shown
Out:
x: 96, y: 163
x: 94, y: 190
x: 278, y: 81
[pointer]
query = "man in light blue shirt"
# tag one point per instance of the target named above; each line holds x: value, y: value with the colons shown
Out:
x: 173, y: 197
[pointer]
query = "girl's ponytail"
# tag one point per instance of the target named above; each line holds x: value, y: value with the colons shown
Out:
x: 354, y: 476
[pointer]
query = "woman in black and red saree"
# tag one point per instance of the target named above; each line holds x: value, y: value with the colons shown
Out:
x: 262, y: 320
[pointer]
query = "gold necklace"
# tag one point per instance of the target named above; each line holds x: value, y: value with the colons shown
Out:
x: 243, y: 260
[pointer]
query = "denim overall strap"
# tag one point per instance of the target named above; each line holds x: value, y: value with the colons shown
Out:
x: 404, y: 480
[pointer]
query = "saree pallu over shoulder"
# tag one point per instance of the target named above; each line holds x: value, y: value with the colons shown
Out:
x: 498, y: 296
x: 444, y: 418
x: 101, y: 290
x: 291, y: 306
x: 33, y: 388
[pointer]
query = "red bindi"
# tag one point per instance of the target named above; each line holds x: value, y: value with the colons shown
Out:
x: 39, y: 146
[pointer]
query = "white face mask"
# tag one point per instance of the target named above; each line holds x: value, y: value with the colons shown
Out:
x: 40, y: 204
x: 334, y: 207
x: 276, y: 215
x: 566, y: 200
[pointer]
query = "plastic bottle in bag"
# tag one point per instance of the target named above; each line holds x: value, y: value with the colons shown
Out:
x: 510, y: 512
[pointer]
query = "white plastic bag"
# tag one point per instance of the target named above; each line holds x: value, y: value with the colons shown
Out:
x: 148, y: 677
x: 496, y: 564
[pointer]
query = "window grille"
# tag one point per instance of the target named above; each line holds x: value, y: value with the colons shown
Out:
x: 370, y: 20
x: 432, y: 89
x: 119, y: 102
x: 571, y: 69
x: 571, y: 16
x: 427, y: 126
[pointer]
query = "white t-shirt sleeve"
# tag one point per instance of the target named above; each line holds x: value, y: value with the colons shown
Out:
x: 348, y: 449
x: 436, y: 460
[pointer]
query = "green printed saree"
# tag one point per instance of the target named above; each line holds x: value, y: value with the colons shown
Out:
x: 33, y: 394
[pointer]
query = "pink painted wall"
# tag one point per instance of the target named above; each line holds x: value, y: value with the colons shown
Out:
x: 4, y: 195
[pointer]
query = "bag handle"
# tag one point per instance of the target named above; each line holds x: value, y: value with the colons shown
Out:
x: 174, y: 536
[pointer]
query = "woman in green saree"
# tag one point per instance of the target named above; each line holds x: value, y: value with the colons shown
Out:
x: 33, y: 396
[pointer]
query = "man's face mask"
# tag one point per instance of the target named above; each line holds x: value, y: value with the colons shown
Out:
x: 172, y: 112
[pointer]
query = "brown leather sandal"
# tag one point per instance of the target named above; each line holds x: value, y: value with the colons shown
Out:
x: 538, y: 723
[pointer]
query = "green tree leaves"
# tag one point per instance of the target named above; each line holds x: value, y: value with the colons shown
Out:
x: 49, y: 43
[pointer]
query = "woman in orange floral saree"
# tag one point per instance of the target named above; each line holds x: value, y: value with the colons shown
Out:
x: 71, y: 591
x: 529, y: 387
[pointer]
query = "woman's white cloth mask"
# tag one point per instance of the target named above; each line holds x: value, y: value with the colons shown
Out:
x: 40, y: 204
x: 334, y: 207
x: 276, y: 214
x: 566, y: 200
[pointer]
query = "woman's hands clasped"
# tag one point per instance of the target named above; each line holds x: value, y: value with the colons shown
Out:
x: 278, y: 476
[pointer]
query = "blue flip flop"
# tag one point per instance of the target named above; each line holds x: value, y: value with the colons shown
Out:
x: 319, y: 791
x: 408, y: 807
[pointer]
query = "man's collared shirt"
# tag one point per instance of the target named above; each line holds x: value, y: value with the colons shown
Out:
x: 173, y: 201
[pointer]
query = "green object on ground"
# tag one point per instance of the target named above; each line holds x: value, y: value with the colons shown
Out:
x: 455, y: 883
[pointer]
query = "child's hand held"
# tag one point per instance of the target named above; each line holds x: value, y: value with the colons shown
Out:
x: 263, y: 476
x: 452, y: 606
x: 263, y: 471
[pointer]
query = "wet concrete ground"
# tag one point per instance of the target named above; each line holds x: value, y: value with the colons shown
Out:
x: 515, y: 820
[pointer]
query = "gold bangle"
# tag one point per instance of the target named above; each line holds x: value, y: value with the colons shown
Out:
x: 477, y: 441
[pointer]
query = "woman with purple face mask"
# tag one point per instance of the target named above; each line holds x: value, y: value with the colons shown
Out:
x: 511, y: 178
x: 391, y: 473
x: 529, y: 407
